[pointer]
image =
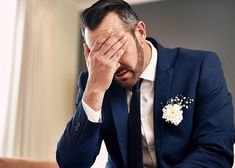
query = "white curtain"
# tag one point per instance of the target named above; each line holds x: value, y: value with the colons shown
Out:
x: 12, y: 14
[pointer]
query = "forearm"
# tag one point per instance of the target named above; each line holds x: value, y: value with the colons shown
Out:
x: 93, y: 96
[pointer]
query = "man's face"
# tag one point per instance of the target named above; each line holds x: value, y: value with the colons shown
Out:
x: 132, y: 61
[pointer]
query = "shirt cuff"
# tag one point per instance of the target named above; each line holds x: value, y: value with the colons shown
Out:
x: 92, y: 115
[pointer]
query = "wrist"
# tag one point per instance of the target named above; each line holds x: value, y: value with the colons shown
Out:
x: 93, y: 97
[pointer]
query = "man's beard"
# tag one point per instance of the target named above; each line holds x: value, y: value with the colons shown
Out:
x: 128, y: 83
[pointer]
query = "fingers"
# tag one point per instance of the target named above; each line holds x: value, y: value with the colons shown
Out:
x: 115, y: 48
x: 107, y: 45
x: 100, y: 41
x: 120, y: 52
x: 107, y: 49
x: 112, y: 44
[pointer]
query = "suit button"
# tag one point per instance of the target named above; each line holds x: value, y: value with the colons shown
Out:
x: 76, y: 126
x: 75, y: 129
x: 73, y: 135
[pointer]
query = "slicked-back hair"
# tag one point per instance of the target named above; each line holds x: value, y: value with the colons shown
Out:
x: 92, y: 17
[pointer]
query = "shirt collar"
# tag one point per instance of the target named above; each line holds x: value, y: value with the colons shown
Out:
x: 150, y: 70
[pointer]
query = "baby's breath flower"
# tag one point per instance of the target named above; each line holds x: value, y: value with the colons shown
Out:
x: 172, y: 111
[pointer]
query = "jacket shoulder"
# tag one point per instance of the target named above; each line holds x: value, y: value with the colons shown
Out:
x: 191, y: 56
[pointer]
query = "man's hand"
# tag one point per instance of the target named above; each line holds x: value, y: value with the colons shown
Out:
x: 102, y: 62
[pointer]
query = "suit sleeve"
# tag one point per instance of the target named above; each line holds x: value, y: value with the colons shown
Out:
x: 81, y: 140
x: 213, y: 135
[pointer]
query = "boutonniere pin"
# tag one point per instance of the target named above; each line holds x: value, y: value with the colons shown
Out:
x: 173, y: 110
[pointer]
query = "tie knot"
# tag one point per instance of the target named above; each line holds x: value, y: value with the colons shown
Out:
x: 136, y: 87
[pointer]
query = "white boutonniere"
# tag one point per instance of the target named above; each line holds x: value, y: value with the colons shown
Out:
x: 173, y: 110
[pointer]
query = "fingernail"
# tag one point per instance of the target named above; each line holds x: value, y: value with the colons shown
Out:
x: 110, y: 30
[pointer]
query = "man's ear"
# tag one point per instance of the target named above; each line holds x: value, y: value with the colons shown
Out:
x: 140, y: 32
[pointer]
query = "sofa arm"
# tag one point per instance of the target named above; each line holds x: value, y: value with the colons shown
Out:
x: 25, y: 163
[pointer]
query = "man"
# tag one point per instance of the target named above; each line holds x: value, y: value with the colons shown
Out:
x: 152, y: 106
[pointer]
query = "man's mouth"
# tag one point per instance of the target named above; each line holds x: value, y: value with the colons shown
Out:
x: 120, y: 73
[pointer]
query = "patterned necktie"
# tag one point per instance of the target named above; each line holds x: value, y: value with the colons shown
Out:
x: 135, y: 155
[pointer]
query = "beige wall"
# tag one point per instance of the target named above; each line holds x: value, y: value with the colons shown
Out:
x: 66, y: 65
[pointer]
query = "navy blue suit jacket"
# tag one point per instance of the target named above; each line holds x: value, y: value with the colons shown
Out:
x: 204, y: 138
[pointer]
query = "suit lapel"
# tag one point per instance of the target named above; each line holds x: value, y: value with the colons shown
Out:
x: 161, y: 93
x: 162, y: 84
x: 119, y: 109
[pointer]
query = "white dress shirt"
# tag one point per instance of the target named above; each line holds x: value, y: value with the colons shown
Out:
x: 146, y: 109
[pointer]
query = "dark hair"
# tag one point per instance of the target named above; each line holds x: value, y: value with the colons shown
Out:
x: 92, y: 17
